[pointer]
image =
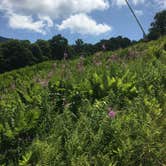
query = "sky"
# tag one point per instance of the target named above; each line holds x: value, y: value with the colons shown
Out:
x: 90, y: 20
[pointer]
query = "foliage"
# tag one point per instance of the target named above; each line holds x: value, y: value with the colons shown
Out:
x: 58, y: 46
x: 15, y: 54
x: 158, y: 27
x: 66, y: 121
x: 11, y: 52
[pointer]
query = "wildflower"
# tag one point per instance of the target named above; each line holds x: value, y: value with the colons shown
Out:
x: 111, y: 113
x: 65, y: 55
x: 103, y: 47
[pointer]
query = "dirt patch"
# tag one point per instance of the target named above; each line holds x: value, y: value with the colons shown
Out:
x: 44, y: 81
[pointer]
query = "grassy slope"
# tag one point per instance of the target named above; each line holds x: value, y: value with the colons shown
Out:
x: 56, y: 113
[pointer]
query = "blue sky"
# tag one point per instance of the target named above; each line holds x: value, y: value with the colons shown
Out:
x: 90, y: 20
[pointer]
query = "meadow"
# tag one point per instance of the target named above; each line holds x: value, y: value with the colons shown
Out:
x: 107, y: 109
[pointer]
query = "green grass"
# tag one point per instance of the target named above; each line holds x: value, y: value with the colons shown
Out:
x: 56, y: 113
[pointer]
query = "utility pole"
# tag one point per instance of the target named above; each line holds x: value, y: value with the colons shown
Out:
x: 132, y: 11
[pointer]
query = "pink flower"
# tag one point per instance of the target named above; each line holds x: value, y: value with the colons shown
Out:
x: 111, y: 113
x: 65, y: 55
x: 104, y: 47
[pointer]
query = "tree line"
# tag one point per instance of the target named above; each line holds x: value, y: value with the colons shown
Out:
x: 16, y: 53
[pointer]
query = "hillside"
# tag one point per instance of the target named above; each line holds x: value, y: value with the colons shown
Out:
x: 104, y: 110
x: 3, y: 39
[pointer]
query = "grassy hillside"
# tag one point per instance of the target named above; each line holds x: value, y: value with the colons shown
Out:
x: 103, y: 110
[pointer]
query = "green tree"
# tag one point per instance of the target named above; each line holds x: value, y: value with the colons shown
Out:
x: 45, y: 48
x: 158, y: 27
x: 26, y: 43
x: 79, y: 45
x: 37, y: 53
x: 71, y: 51
x: 58, y: 45
x: 15, y: 55
x: 114, y: 43
x: 1, y: 61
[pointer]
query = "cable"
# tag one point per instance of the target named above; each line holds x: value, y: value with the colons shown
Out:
x: 132, y: 11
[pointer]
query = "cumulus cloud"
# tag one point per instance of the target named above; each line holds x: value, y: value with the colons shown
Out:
x: 39, y: 15
x: 55, y: 8
x: 21, y: 13
x: 83, y: 24
x: 26, y: 22
x: 47, y: 20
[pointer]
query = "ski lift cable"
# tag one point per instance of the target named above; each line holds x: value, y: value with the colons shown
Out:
x: 132, y: 11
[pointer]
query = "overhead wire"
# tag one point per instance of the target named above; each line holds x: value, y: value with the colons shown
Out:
x: 137, y: 20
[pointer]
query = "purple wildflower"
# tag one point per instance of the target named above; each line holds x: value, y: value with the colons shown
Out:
x: 111, y: 113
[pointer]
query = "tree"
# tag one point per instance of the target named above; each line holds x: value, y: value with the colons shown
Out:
x: 45, y: 48
x: 15, y: 55
x: 37, y: 53
x: 79, y: 45
x: 59, y: 45
x: 113, y: 43
x: 1, y: 61
x: 158, y: 27
x: 26, y: 43
x: 71, y: 51
x: 89, y: 49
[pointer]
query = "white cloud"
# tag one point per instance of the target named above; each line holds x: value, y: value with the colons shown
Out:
x: 26, y: 22
x: 21, y: 13
x: 55, y: 8
x: 123, y: 2
x: 139, y: 12
x: 135, y: 2
x: 48, y: 21
x: 119, y: 2
x: 83, y: 24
